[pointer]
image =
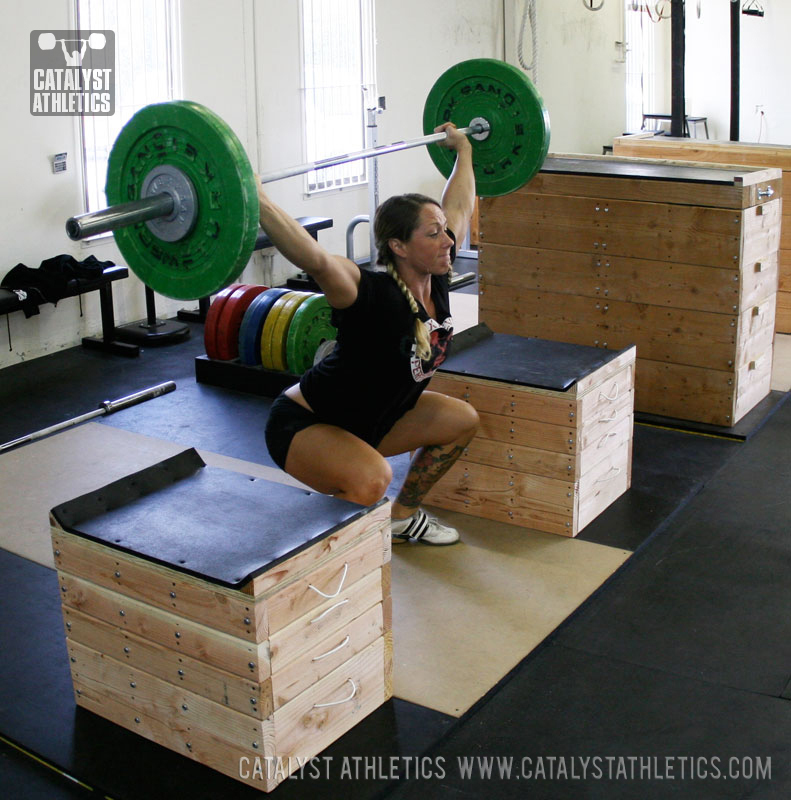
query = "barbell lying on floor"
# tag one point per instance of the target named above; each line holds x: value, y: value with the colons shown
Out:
x: 106, y: 407
x: 184, y: 200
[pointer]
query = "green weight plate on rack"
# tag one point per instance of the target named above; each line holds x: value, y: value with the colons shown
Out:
x: 310, y: 327
x: 517, y: 144
x: 192, y: 139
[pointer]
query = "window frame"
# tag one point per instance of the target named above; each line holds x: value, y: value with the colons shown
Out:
x: 367, y: 95
x: 645, y: 67
x: 94, y: 177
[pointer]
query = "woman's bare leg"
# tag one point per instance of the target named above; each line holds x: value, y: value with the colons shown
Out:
x: 438, y: 428
x: 334, y: 461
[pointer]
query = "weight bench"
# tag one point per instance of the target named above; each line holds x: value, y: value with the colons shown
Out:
x: 10, y: 302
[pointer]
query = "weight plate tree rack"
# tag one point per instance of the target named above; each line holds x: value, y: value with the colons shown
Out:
x: 273, y: 335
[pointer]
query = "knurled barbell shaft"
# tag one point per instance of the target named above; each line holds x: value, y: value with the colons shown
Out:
x: 161, y: 205
x: 108, y: 219
x: 371, y: 152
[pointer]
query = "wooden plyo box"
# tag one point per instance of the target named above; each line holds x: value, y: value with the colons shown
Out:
x: 751, y: 154
x: 677, y: 259
x: 549, y: 459
x: 241, y: 623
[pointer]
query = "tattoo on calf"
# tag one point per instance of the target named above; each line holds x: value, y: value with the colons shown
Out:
x: 428, y: 466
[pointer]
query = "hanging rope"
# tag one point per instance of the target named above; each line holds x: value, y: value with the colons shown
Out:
x: 529, y: 13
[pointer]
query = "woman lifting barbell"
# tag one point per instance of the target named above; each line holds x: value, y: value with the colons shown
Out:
x: 367, y: 400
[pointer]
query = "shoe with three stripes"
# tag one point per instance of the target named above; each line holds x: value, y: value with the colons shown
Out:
x: 422, y: 528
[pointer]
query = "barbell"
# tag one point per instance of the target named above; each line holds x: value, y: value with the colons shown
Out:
x: 184, y: 200
x: 96, y: 41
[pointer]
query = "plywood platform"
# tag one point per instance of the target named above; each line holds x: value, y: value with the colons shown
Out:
x: 175, y: 629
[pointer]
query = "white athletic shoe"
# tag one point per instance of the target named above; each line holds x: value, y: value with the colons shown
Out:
x: 422, y: 528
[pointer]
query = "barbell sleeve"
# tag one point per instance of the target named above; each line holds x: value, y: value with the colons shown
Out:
x: 371, y: 152
x: 108, y: 219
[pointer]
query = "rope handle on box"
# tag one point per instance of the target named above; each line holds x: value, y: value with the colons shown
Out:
x: 339, y: 702
x: 334, y: 649
x: 607, y: 397
x: 616, y: 472
x: 338, y: 590
x: 331, y: 608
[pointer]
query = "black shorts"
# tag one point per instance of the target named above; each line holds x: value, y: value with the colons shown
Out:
x: 286, y: 419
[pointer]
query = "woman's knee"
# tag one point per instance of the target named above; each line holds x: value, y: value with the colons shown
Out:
x: 466, y: 419
x: 369, y: 484
x: 473, y: 420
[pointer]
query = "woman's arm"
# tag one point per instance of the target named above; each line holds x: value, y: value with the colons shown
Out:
x: 458, y: 198
x: 338, y: 277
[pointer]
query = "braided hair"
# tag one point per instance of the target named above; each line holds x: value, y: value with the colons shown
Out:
x: 397, y: 218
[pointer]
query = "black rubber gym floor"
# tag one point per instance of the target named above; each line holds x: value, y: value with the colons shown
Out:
x: 669, y: 682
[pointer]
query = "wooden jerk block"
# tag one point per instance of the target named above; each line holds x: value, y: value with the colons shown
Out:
x: 242, y: 623
x: 751, y: 154
x: 554, y: 447
x: 677, y: 259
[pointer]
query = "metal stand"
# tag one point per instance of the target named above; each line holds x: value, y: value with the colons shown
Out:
x: 196, y: 314
x: 152, y: 331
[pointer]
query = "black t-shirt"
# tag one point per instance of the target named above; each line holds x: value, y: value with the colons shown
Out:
x: 373, y: 376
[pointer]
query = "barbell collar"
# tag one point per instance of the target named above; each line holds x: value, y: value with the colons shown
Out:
x: 109, y: 219
x: 480, y: 128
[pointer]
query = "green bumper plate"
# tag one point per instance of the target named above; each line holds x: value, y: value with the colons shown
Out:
x: 504, y: 96
x: 308, y: 330
x: 193, y: 139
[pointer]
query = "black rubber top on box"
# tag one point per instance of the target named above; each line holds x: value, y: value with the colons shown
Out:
x: 522, y: 360
x: 218, y: 525
x: 612, y: 167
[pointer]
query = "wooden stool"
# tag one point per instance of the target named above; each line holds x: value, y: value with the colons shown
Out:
x: 555, y: 444
x: 242, y: 623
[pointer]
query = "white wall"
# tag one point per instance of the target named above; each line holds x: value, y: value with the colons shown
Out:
x: 765, y: 69
x: 416, y: 42
x: 241, y: 59
x: 579, y: 73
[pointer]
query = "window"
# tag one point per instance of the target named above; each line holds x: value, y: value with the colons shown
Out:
x: 338, y: 75
x: 640, y: 64
x: 148, y: 71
